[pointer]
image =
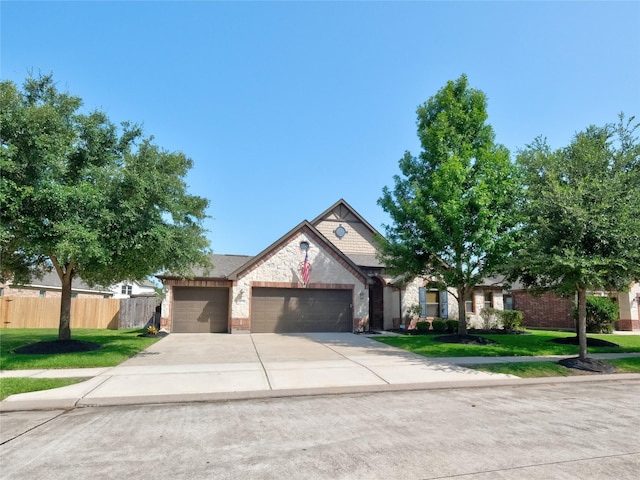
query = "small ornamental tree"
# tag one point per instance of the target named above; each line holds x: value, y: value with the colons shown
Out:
x: 581, y: 217
x: 87, y: 199
x: 452, y: 205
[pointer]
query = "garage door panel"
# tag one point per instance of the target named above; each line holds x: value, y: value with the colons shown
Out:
x: 301, y: 310
x: 200, y: 310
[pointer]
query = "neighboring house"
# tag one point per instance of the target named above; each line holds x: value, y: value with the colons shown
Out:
x: 347, y: 289
x: 50, y: 286
x: 552, y: 311
x: 132, y: 288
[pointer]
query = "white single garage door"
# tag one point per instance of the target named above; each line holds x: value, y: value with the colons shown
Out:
x: 281, y: 310
x: 200, y: 310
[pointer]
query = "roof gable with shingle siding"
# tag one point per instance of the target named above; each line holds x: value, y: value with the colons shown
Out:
x: 360, y: 237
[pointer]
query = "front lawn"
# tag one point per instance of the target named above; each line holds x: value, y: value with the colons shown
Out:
x: 12, y: 386
x: 117, y: 346
x: 534, y: 343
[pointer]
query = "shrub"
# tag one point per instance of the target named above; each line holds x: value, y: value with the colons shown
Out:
x: 151, y: 330
x: 511, y: 319
x: 452, y: 326
x: 489, y: 318
x: 413, y: 311
x: 601, y: 313
x: 423, y: 327
x: 439, y: 325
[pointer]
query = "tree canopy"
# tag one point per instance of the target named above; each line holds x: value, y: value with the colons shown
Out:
x: 452, y: 205
x: 581, y: 215
x: 87, y: 198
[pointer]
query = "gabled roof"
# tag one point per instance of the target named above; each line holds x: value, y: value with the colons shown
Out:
x: 344, y: 204
x: 223, y: 265
x: 312, y: 232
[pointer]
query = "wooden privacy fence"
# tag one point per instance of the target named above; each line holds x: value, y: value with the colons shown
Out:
x: 36, y: 312
x: 139, y: 312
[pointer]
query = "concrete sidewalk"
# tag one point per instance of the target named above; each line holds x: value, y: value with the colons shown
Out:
x: 195, y: 367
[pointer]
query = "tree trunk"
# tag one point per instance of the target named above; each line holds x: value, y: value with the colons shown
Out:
x: 462, y: 314
x: 65, y: 273
x: 64, y: 329
x: 582, y: 322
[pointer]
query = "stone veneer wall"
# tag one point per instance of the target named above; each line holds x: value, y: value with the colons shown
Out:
x: 629, y: 303
x: 410, y: 295
x: 165, y: 308
x: 473, y: 318
x: 281, y: 269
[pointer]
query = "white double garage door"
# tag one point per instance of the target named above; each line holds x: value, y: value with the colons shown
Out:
x: 273, y: 310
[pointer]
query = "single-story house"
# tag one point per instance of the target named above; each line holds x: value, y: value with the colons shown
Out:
x: 50, y: 286
x: 323, y: 275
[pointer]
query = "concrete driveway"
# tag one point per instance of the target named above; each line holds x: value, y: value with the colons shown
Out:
x: 202, y: 367
x: 268, y: 361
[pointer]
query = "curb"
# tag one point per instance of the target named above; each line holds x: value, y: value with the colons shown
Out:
x: 8, y: 405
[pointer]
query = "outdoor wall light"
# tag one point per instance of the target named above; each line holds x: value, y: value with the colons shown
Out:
x: 361, y: 294
x: 304, y: 246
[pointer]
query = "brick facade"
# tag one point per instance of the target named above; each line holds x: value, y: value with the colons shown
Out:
x: 545, y: 311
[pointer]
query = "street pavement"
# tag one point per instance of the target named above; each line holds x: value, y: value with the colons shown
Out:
x: 201, y: 368
x: 585, y: 430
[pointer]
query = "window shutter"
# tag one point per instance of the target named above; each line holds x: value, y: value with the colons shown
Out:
x: 422, y: 294
x: 444, y: 304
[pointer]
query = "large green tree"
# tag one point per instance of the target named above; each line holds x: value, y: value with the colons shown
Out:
x: 581, y: 217
x: 86, y: 198
x: 452, y: 206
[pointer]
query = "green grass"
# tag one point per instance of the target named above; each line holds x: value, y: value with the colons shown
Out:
x: 12, y: 386
x: 536, y: 343
x: 626, y: 365
x: 553, y: 369
x: 117, y: 346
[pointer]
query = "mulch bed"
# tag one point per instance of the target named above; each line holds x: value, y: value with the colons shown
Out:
x: 591, y: 342
x: 151, y: 335
x: 58, y: 346
x: 496, y: 331
x: 466, y: 339
x: 588, y: 365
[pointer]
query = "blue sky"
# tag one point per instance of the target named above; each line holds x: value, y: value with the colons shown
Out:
x: 286, y: 107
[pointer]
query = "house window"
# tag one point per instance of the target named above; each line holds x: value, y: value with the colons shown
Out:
x: 429, y: 303
x: 508, y: 302
x: 488, y: 300
x: 126, y: 289
x: 43, y: 293
x: 468, y: 302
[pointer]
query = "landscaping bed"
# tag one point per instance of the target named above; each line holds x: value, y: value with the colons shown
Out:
x: 33, y: 348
